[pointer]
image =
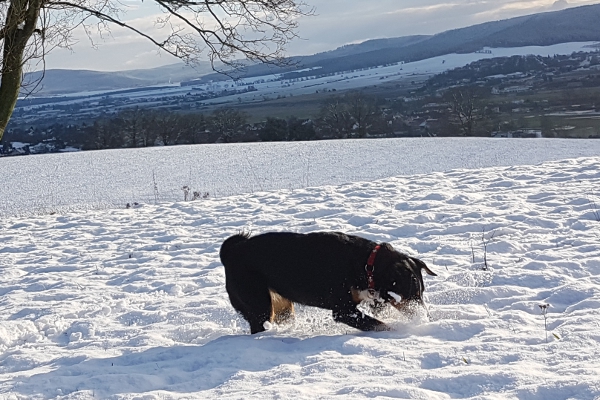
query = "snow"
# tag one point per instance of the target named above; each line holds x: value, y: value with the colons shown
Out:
x: 112, y: 178
x: 273, y: 85
x: 129, y: 303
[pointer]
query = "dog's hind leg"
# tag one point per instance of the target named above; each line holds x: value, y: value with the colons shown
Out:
x: 250, y: 296
x: 282, y: 310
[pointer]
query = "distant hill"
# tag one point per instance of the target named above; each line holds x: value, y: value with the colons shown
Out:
x: 349, y: 51
x: 579, y: 24
x: 571, y: 25
x: 61, y: 81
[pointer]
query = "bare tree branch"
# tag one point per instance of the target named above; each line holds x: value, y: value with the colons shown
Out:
x: 229, y: 30
x: 105, y: 17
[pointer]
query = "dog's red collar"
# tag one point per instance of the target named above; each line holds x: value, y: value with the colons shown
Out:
x: 370, y: 268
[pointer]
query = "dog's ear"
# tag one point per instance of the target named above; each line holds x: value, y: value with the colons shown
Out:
x: 423, y: 266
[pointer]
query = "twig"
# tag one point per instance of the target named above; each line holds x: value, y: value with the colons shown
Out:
x: 488, y: 310
x: 155, y: 187
x: 544, y: 309
x: 485, y: 244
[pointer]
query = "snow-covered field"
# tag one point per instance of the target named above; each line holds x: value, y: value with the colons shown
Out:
x: 112, y: 178
x: 130, y: 303
x: 272, y: 86
x: 381, y: 74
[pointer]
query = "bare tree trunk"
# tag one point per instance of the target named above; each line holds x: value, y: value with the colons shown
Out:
x: 362, y: 109
x: 463, y: 106
x: 21, y: 18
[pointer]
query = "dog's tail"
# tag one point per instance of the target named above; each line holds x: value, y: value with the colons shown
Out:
x: 228, y: 247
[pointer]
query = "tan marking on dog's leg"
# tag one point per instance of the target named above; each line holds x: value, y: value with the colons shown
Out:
x: 282, y: 309
x: 356, y: 296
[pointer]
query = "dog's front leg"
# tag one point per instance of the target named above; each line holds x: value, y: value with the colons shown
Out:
x: 350, y: 315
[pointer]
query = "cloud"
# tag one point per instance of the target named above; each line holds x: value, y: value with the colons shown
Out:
x: 427, y: 9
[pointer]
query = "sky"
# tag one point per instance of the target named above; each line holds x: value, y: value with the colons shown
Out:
x: 334, y: 23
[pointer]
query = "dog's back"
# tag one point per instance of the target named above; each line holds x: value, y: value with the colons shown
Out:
x: 294, y: 257
x: 312, y: 269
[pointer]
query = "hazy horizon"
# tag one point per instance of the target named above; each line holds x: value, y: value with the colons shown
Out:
x: 335, y: 23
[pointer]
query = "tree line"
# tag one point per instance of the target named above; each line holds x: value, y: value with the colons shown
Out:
x: 350, y: 115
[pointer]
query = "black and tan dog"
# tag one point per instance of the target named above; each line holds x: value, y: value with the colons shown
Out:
x: 266, y: 274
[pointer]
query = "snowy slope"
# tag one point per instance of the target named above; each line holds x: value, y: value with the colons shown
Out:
x: 112, y: 178
x: 274, y: 85
x: 130, y: 303
x: 409, y: 71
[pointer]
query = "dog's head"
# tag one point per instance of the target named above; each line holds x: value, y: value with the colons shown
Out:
x: 401, y: 279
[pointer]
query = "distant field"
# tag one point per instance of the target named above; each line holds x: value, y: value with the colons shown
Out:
x: 306, y: 106
x: 111, y: 178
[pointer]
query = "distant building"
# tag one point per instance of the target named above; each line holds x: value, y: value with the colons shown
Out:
x: 519, y: 133
x: 15, y: 149
x: 511, y: 89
